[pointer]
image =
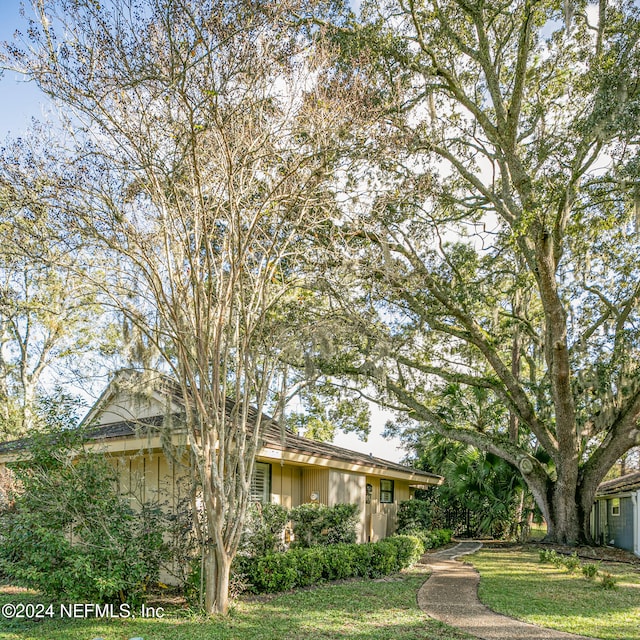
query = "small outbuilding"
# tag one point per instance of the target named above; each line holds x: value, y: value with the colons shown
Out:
x: 615, y: 518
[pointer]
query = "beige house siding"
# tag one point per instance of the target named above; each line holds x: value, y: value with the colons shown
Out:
x: 349, y: 488
x: 286, y: 483
x: 384, y: 514
x: 315, y: 481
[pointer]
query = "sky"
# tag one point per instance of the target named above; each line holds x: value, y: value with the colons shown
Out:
x: 21, y: 101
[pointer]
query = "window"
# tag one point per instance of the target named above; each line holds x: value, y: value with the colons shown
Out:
x: 615, y: 507
x: 386, y: 490
x: 261, y: 483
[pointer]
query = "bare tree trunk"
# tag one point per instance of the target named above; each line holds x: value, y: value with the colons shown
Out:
x: 217, y: 572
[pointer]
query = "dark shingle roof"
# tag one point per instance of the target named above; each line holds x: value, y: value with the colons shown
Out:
x: 628, y: 482
x: 275, y: 436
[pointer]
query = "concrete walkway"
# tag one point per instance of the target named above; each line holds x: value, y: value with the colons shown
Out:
x: 451, y: 596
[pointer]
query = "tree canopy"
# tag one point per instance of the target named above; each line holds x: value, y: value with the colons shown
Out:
x: 491, y: 238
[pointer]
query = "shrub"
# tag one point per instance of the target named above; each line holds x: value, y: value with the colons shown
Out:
x: 308, y: 566
x: 275, y: 572
x: 547, y: 555
x: 590, y: 571
x: 607, y: 581
x: 383, y: 559
x: 317, y: 524
x: 341, y: 561
x: 432, y: 539
x: 71, y: 535
x: 264, y: 529
x: 414, y: 515
x: 572, y: 562
x: 409, y: 549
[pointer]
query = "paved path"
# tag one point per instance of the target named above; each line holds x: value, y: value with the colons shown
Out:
x: 451, y: 596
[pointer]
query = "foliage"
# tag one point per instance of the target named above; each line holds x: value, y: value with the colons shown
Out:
x: 264, y: 529
x: 431, y: 539
x: 70, y: 535
x: 198, y: 175
x: 590, y: 570
x: 350, y: 610
x: 50, y: 319
x: 318, y: 524
x: 409, y: 549
x: 486, y: 265
x: 481, y: 495
x: 413, y: 514
x: 572, y: 563
x: 607, y: 581
x: 311, y: 566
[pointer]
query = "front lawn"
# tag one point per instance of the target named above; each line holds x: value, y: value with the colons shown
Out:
x: 515, y: 583
x: 359, y: 609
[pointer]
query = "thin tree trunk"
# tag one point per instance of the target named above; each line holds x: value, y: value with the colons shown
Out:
x: 217, y: 570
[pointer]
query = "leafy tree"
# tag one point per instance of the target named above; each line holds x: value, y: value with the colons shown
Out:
x: 490, y: 245
x: 48, y: 309
x: 197, y: 171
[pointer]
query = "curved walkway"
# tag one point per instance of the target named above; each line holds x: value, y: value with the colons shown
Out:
x: 451, y: 596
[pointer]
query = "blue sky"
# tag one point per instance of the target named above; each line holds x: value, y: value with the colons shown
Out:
x: 20, y: 101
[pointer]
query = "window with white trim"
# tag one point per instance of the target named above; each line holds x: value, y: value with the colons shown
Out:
x: 261, y: 483
x: 615, y: 507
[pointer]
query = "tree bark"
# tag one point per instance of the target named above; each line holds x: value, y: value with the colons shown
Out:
x: 217, y: 571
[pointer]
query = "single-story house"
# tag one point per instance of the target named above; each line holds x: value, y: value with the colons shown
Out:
x: 615, y: 518
x: 131, y: 429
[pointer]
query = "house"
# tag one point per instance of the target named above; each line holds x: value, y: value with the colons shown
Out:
x: 615, y: 517
x: 141, y: 435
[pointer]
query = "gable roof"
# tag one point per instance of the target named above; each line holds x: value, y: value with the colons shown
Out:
x: 628, y: 482
x: 277, y: 443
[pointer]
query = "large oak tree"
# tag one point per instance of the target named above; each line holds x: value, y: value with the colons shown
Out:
x: 492, y: 246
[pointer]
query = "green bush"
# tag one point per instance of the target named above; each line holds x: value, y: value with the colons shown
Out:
x: 70, y: 535
x: 413, y: 515
x: 264, y: 528
x: 607, y: 581
x: 341, y: 561
x: 383, y: 559
x: 431, y: 539
x: 590, y: 571
x: 409, y: 549
x: 309, y: 566
x: 317, y: 524
x: 275, y: 572
x: 572, y: 562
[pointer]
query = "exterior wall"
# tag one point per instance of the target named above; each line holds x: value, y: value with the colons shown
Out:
x: 286, y: 484
x: 381, y: 518
x: 315, y: 480
x: 620, y: 527
x: 616, y: 530
x: 129, y: 407
x: 349, y: 488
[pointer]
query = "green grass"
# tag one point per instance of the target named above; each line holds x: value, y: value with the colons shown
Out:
x: 362, y: 610
x: 517, y: 584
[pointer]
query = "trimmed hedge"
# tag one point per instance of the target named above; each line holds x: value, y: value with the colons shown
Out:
x: 306, y: 567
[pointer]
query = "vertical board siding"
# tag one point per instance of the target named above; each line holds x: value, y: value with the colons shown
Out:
x: 315, y: 480
x: 349, y: 488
